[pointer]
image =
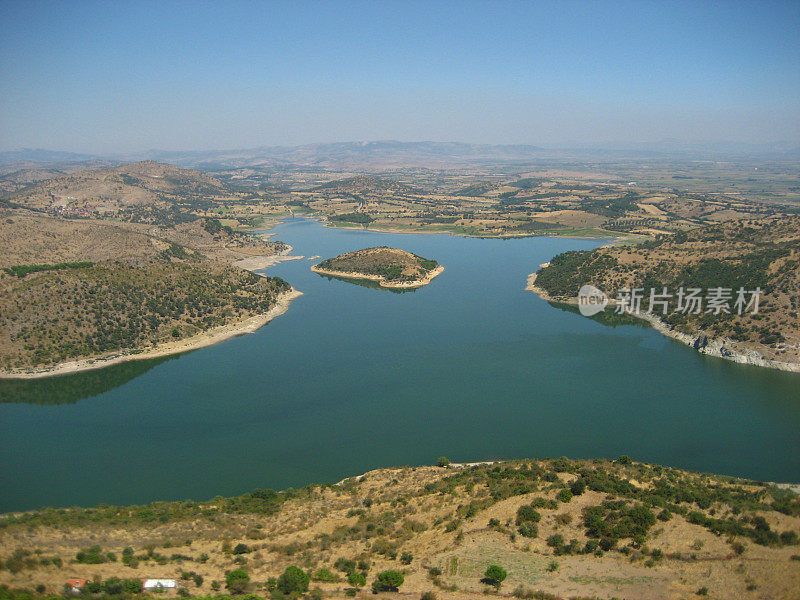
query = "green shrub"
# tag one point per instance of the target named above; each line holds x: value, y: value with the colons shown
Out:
x: 345, y: 565
x: 494, y: 575
x: 324, y: 575
x: 91, y: 556
x: 578, y: 487
x: 293, y: 580
x: 357, y: 579
x: 564, y: 495
x: 237, y: 581
x: 527, y: 513
x: 387, y: 581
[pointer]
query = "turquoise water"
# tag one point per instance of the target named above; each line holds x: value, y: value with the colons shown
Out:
x: 353, y: 378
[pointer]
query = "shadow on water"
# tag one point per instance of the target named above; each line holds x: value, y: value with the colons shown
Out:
x: 368, y: 283
x: 69, y: 389
x: 609, y: 318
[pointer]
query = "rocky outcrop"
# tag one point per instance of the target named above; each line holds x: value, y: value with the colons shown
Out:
x: 719, y: 347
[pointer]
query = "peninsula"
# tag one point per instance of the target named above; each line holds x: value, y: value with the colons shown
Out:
x: 722, y: 263
x: 81, y: 289
x: 390, y: 267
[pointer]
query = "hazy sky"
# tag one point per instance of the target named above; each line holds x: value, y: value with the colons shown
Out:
x: 119, y: 76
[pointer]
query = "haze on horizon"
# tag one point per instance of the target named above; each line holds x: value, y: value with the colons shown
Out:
x: 101, y: 77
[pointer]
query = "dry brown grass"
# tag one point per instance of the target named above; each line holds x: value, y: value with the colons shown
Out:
x: 313, y: 532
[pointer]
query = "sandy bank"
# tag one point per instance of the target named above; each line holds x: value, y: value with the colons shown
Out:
x: 207, y: 338
x: 380, y: 279
x: 259, y: 262
x: 719, y: 347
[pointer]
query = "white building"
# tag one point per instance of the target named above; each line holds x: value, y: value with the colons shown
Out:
x: 151, y: 584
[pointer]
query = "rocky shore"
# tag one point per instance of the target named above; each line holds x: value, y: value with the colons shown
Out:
x: 699, y: 341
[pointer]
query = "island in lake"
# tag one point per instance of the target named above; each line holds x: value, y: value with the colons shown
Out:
x: 390, y: 267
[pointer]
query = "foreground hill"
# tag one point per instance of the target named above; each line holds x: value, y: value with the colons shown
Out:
x: 390, y: 267
x: 559, y: 528
x: 749, y: 255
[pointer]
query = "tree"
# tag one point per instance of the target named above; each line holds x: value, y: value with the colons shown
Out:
x: 494, y: 575
x: 357, y: 579
x: 113, y: 586
x: 345, y: 565
x: 387, y: 581
x: 293, y: 579
x: 443, y: 461
x: 564, y: 495
x: 527, y: 513
x: 578, y: 486
x: 133, y: 586
x: 236, y: 581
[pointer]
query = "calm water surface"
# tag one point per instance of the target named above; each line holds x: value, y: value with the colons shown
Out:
x: 353, y: 378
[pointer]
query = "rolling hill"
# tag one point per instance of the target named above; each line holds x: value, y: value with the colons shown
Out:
x: 137, y: 191
x: 751, y: 254
x: 559, y: 528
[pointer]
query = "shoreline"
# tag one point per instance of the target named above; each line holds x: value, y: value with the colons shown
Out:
x: 610, y: 235
x: 258, y: 262
x: 201, y: 340
x: 504, y: 236
x: 716, y: 347
x: 380, y: 279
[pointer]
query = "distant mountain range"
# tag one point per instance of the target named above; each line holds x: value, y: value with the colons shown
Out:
x: 394, y: 153
x: 30, y: 155
x: 342, y: 154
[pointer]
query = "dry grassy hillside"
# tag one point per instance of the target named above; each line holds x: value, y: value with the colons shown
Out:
x: 73, y: 289
x: 143, y: 191
x: 747, y: 254
x: 588, y: 529
x: 90, y: 310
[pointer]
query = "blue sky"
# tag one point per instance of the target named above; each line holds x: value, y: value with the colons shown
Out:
x: 125, y: 76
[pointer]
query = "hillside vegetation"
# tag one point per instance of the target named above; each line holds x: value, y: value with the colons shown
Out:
x: 86, y: 289
x: 364, y: 184
x: 390, y: 265
x: 57, y: 315
x: 747, y: 254
x: 554, y: 528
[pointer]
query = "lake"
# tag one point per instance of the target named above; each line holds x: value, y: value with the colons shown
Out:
x: 354, y: 378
